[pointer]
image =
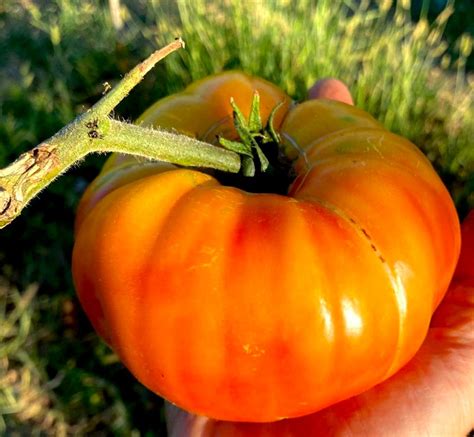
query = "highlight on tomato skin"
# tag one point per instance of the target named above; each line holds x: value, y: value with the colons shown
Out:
x: 282, y: 305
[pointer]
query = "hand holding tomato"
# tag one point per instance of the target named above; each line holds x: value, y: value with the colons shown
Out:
x: 432, y: 395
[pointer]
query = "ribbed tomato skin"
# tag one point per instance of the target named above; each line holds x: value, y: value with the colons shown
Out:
x: 257, y: 307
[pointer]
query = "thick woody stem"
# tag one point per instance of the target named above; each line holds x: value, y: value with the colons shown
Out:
x: 94, y: 131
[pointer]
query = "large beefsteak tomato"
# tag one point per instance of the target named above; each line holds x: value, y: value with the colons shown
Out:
x: 257, y: 307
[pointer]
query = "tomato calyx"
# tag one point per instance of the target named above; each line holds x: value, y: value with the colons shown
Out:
x: 264, y: 167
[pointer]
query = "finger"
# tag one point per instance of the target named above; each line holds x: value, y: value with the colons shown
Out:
x: 332, y: 89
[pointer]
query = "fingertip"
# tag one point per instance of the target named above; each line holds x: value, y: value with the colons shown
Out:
x: 332, y: 89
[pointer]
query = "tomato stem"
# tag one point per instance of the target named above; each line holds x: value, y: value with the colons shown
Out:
x: 166, y: 146
x: 95, y: 131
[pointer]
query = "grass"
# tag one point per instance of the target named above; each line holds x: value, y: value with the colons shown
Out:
x: 56, y: 377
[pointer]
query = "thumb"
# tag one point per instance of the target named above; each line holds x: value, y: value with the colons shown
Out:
x: 332, y: 89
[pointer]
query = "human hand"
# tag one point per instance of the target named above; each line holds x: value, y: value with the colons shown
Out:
x: 432, y: 395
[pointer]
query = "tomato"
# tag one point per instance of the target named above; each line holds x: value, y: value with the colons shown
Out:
x: 258, y: 307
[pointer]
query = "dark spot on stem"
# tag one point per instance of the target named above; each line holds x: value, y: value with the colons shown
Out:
x: 94, y: 124
x: 5, y: 200
x: 38, y: 157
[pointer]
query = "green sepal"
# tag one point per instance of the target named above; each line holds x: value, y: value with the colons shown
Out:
x: 239, y: 118
x: 248, y: 166
x: 240, y: 123
x: 234, y: 146
x: 264, y: 163
x: 269, y: 127
x: 255, y: 122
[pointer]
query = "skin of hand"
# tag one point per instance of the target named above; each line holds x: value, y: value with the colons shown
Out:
x: 433, y: 395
